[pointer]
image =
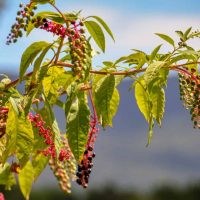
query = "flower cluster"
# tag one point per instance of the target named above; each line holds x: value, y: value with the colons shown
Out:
x: 3, y: 118
x: 23, y: 18
x: 44, y: 132
x: 84, y: 169
x: 47, y: 134
x: 2, y: 196
x: 190, y: 94
x: 49, y: 26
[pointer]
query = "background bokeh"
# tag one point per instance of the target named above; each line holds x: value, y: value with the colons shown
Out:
x: 124, y: 167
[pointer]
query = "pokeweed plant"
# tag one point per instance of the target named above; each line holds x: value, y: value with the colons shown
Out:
x: 30, y: 138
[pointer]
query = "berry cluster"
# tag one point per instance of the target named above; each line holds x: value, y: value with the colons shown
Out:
x: 23, y: 18
x: 60, y: 173
x: 190, y: 94
x: 2, y: 196
x: 3, y: 118
x: 64, y: 170
x: 80, y: 50
x: 47, y: 134
x: 84, y: 169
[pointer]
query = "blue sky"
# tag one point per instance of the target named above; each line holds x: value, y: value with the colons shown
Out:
x: 133, y: 22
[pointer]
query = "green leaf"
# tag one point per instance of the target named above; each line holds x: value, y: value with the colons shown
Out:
x: 150, y: 133
x: 103, y: 96
x: 20, y: 136
x: 39, y: 164
x: 180, y: 34
x: 26, y: 178
x: 38, y: 63
x: 102, y: 22
x: 97, y: 34
x: 114, y: 104
x: 53, y: 124
x: 78, y: 119
x: 152, y: 71
x: 187, y: 32
x: 143, y: 99
x: 158, y: 103
x: 138, y: 58
x: 154, y: 52
x: 56, y: 17
x: 7, y: 178
x: 29, y: 55
x: 166, y: 38
x: 43, y: 1
x: 181, y: 57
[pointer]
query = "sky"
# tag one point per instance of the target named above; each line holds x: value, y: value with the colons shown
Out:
x: 121, y: 153
x: 133, y: 23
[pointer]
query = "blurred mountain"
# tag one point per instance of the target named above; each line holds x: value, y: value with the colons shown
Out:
x: 122, y: 157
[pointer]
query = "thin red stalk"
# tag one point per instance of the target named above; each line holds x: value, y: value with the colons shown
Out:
x: 183, y: 71
x: 95, y: 119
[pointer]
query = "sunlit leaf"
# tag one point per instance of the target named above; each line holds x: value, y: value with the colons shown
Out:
x: 26, y: 178
x: 97, y: 34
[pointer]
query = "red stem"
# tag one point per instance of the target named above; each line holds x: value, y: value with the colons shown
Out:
x: 185, y: 72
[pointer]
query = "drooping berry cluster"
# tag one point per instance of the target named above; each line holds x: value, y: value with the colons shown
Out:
x: 80, y: 50
x: 47, y: 134
x: 23, y: 18
x: 3, y: 118
x: 84, y: 169
x: 64, y: 170
x: 2, y: 196
x: 190, y: 94
x: 61, y: 174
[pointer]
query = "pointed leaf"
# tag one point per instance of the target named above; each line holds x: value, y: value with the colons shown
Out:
x: 97, y: 34
x: 29, y: 55
x: 166, y: 38
x: 187, y: 32
x: 26, y: 178
x: 158, y: 103
x: 150, y: 133
x: 154, y: 52
x: 38, y: 62
x: 78, y: 127
x: 102, y: 22
x: 43, y: 1
x: 103, y: 97
x: 20, y: 136
x: 152, y: 71
x: 53, y: 124
x: 142, y: 99
x: 39, y: 164
x: 7, y: 178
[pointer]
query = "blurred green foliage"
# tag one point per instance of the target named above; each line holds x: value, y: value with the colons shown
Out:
x: 109, y: 192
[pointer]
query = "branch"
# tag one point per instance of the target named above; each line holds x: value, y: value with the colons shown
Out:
x: 126, y: 73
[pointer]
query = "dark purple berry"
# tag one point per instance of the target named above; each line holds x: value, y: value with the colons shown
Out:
x: 79, y: 181
x: 90, y: 158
